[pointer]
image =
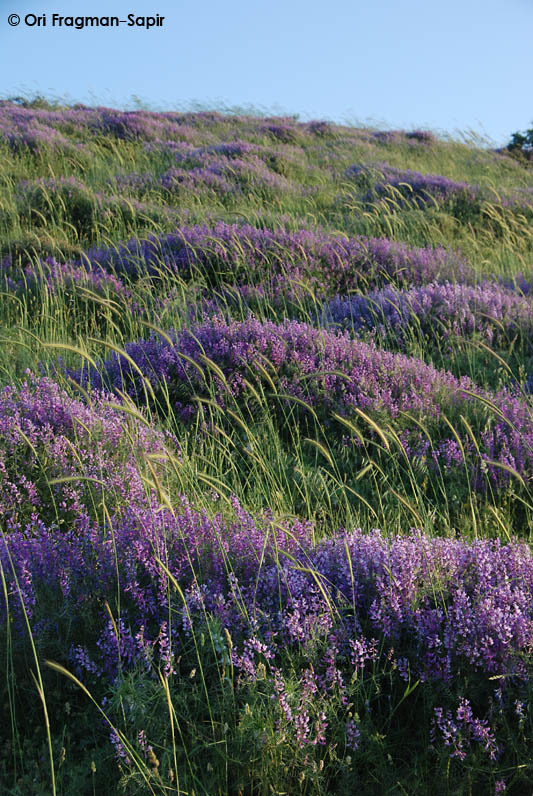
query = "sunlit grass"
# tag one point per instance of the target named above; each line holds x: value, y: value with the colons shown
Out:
x: 217, y: 706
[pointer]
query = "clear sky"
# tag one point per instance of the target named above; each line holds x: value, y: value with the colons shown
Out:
x: 447, y: 65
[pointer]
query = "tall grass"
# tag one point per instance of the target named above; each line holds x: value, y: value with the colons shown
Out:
x: 187, y: 603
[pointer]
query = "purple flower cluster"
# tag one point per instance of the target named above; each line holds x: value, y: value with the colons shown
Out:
x: 23, y: 130
x: 232, y: 168
x: 172, y: 149
x: 176, y: 181
x: 520, y: 283
x: 225, y: 175
x: 458, y: 732
x: 282, y: 131
x: 450, y: 308
x: 223, y: 153
x: 181, y: 181
x: 329, y: 264
x: 309, y: 363
x: 416, y: 189
x: 231, y: 149
x: 137, y: 125
x: 444, y: 605
x: 412, y: 189
x: 57, y: 275
x: 45, y: 435
x: 134, y: 182
x: 332, y: 373
x: 521, y: 198
x: 400, y: 137
x: 38, y: 129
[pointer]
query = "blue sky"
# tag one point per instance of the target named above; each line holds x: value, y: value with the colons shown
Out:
x: 449, y: 66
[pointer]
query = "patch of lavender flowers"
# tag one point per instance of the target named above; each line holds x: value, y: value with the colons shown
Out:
x: 413, y: 189
x: 332, y: 373
x: 417, y: 189
x: 46, y: 435
x: 442, y: 604
x: 57, y: 275
x: 329, y: 264
x: 521, y: 283
x: 489, y: 310
x: 218, y: 168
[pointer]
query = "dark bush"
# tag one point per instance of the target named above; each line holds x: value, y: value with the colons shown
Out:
x: 522, y: 144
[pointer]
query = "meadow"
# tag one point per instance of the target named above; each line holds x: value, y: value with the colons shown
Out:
x: 266, y: 457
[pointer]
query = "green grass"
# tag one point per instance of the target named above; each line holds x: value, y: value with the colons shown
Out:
x: 224, y: 737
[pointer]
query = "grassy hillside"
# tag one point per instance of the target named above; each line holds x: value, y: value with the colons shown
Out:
x: 266, y: 457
